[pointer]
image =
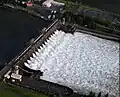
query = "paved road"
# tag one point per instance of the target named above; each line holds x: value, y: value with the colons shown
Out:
x: 98, y: 35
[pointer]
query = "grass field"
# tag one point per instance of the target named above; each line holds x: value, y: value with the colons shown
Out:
x: 13, y: 91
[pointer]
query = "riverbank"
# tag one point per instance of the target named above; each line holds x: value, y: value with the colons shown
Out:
x: 111, y: 6
x: 91, y: 18
x: 106, y: 5
x: 15, y: 91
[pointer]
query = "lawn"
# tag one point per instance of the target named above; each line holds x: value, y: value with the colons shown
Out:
x: 14, y: 91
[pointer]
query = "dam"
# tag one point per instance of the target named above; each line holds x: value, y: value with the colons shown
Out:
x: 82, y: 62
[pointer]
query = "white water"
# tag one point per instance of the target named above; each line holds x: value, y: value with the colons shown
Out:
x: 80, y: 61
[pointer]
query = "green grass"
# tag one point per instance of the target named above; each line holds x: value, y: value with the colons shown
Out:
x: 14, y: 91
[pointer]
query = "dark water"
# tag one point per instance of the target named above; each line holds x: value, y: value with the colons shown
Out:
x: 108, y: 5
x: 16, y: 28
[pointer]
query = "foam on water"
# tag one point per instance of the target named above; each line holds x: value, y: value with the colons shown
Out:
x: 83, y: 62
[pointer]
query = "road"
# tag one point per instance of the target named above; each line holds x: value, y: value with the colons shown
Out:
x: 98, y: 35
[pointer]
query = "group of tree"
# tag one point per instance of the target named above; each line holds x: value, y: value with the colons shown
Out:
x: 79, y: 19
x: 90, y: 22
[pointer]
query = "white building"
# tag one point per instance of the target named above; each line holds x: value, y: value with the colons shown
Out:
x: 49, y: 3
x: 15, y: 76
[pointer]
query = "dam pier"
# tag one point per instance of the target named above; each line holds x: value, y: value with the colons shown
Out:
x: 20, y: 59
x: 26, y: 81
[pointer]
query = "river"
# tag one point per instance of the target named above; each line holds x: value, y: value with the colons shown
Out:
x: 16, y: 28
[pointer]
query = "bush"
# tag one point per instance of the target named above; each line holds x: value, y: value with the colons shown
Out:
x: 102, y: 22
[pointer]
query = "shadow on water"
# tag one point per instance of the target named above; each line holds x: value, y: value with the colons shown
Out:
x: 16, y: 28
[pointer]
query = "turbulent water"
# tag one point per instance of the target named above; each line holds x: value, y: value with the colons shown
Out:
x: 83, y: 62
x: 16, y: 28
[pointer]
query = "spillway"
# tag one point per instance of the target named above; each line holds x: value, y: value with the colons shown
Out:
x: 83, y: 62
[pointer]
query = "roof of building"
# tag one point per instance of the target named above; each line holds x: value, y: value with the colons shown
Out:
x: 16, y: 76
